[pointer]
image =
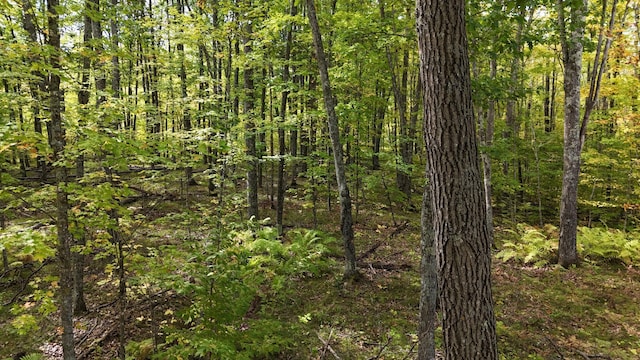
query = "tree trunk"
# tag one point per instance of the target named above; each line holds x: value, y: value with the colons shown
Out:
x: 429, y: 281
x: 250, y: 127
x: 57, y: 143
x: 346, y: 222
x: 572, y: 60
x: 462, y: 238
x: 283, y: 114
x: 486, y: 138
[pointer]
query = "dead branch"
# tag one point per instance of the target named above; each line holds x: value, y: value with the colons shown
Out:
x: 327, y: 346
x: 385, y: 266
x: 555, y: 347
x: 370, y: 251
x: 26, y: 282
x: 382, y: 348
x: 595, y: 356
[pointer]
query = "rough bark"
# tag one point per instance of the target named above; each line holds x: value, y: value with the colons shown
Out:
x: 571, y: 39
x: 346, y: 221
x: 57, y: 143
x: 462, y: 238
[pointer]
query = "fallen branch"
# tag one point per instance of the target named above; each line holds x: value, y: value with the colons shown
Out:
x: 327, y: 346
x: 385, y: 266
x: 94, y: 344
x: 370, y: 251
x: 555, y: 347
x: 596, y: 356
x: 384, y: 346
x: 399, y: 229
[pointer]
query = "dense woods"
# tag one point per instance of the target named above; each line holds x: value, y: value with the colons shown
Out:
x: 245, y: 179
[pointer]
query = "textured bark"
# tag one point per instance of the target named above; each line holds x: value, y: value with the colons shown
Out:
x: 462, y: 238
x: 346, y: 222
x: 57, y: 143
x: 572, y: 60
x: 429, y: 281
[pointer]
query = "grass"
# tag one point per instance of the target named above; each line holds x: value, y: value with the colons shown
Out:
x: 541, y: 313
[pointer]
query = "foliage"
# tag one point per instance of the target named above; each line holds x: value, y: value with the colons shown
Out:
x: 532, y: 246
x: 231, y: 283
x: 538, y: 247
x: 599, y: 245
x: 27, y: 244
x: 33, y: 356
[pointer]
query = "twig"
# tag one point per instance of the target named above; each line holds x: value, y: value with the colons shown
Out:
x: 385, y: 266
x: 370, y: 251
x: 19, y: 197
x: 389, y: 338
x: 555, y: 347
x: 410, y: 351
x: 327, y: 346
x: 596, y: 356
x: 26, y: 282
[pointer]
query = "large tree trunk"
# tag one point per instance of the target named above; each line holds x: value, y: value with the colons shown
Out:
x: 572, y: 60
x: 461, y: 235
x: 346, y: 222
x: 57, y: 143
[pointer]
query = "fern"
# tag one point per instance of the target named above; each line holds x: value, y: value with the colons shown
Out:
x: 609, y: 245
x: 533, y: 246
x: 537, y: 246
x: 33, y: 356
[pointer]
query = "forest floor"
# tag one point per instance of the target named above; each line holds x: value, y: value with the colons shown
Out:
x: 587, y: 312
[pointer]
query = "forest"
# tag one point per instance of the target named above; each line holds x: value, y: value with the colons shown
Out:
x: 319, y: 179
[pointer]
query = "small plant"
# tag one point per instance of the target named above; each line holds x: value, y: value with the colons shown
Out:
x: 33, y: 356
x: 534, y: 246
x: 539, y: 246
x: 609, y: 245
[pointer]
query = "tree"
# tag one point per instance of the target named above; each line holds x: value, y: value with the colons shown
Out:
x: 346, y: 220
x: 57, y: 143
x: 461, y: 235
x: 572, y: 28
x: 571, y: 37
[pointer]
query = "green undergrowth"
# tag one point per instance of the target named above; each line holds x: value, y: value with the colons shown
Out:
x: 233, y: 280
x: 539, y: 246
x: 225, y: 287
